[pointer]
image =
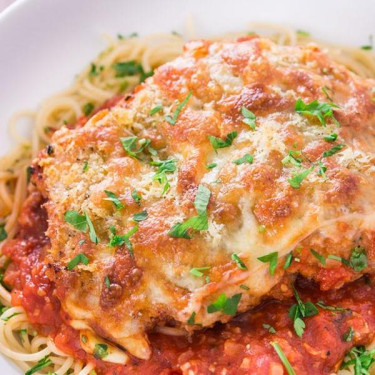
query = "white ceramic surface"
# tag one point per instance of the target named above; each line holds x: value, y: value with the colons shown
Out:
x: 43, y: 43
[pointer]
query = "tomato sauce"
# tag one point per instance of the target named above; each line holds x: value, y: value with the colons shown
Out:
x: 241, y: 346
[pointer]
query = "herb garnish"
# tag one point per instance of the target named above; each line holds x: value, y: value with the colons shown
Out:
x: 299, y: 311
x: 116, y: 240
x: 113, y: 198
x: 88, y: 108
x: 198, y: 271
x: 358, y: 259
x: 140, y: 216
x: 244, y: 287
x: 164, y: 167
x: 80, y: 258
x: 100, y: 351
x: 324, y: 306
x: 191, y: 320
x: 107, y: 282
x: 334, y: 150
x: 296, y: 180
x: 249, y: 117
x: 211, y: 166
x: 224, y: 304
x: 331, y: 137
x: 44, y: 362
x: 244, y: 159
x: 361, y: 359
x: 220, y: 143
x: 288, y: 260
x: 131, y: 68
x: 156, y: 109
x: 270, y: 258
x: 303, y: 33
x: 196, y: 223
x: 172, y: 120
x: 318, y: 256
x: 137, y: 198
x: 85, y: 166
x: 348, y: 335
x: 269, y: 328
x: 81, y: 222
x: 240, y: 264
x: 3, y: 233
x: 129, y: 144
x: 322, y: 111
x: 283, y: 359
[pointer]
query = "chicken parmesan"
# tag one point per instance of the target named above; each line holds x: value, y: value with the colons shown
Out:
x: 229, y: 199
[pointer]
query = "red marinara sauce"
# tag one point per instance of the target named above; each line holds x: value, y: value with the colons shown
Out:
x: 241, y: 346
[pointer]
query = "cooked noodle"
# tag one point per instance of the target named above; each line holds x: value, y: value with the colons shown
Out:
x: 96, y: 84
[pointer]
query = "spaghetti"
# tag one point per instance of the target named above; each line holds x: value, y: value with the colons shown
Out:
x: 99, y: 82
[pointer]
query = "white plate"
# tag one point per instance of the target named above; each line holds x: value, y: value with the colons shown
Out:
x: 43, y: 43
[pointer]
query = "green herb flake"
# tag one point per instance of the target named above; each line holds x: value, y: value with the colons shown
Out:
x: 361, y: 359
x: 156, y: 109
x: 107, y: 282
x: 283, y: 358
x: 297, y: 179
x: 44, y: 362
x: 269, y: 328
x: 100, y: 351
x: 85, y: 166
x: 334, y: 150
x: 127, y: 68
x: 172, y: 120
x: 288, y: 260
x: 339, y: 259
x: 92, y: 233
x: 224, y: 304
x: 211, y: 166
x: 244, y: 287
x: 303, y: 33
x: 331, y: 137
x: 249, y: 117
x: 116, y: 240
x: 77, y: 220
x: 270, y: 258
x: 88, y: 108
x: 366, y: 47
x: 348, y: 335
x: 262, y: 228
x: 80, y: 258
x: 240, y: 264
x: 220, y: 143
x: 3, y: 233
x: 22, y: 334
x: 129, y: 145
x: 293, y: 158
x: 322, y: 111
x: 136, y: 197
x: 140, y: 216
x: 191, y: 320
x: 244, y: 159
x: 164, y: 167
x: 199, y: 271
x: 318, y: 256
x: 112, y: 197
x: 358, y: 259
x: 327, y: 91
x: 324, y: 306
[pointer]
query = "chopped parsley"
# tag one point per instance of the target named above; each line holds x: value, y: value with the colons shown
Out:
x: 269, y: 328
x: 358, y: 259
x: 131, y: 68
x: 331, y: 137
x: 199, y: 271
x: 164, y: 167
x: 318, y: 256
x: 129, y: 144
x: 113, y: 198
x: 44, y: 362
x: 80, y: 258
x: 81, y: 222
x: 3, y: 233
x: 140, y: 216
x: 303, y: 33
x: 249, y: 117
x: 137, y: 198
x: 299, y: 311
x: 116, y: 240
x: 107, y: 282
x: 297, y: 179
x: 334, y: 150
x: 220, y: 143
x: 100, y: 351
x: 245, y: 159
x: 85, y: 166
x: 9, y: 317
x: 283, y: 358
x: 244, y: 287
x: 322, y: 111
x: 29, y: 172
x: 327, y: 91
x: 94, y: 70
x: 211, y: 166
x: 339, y: 259
x: 348, y: 335
x: 288, y: 260
x: 240, y: 264
x: 172, y: 120
x: 156, y: 109
x: 224, y: 304
x: 196, y: 223
x: 293, y: 158
x: 270, y: 258
x: 361, y: 359
x: 88, y: 108
x: 191, y: 320
x: 262, y: 228
x: 324, y: 306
